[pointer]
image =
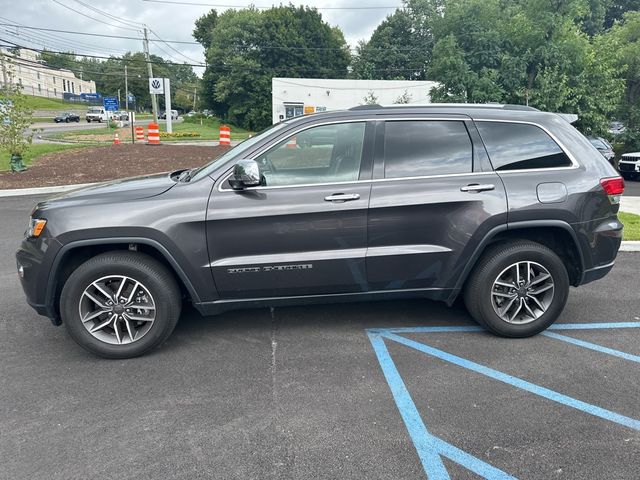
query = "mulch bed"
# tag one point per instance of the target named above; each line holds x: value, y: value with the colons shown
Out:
x: 98, y: 164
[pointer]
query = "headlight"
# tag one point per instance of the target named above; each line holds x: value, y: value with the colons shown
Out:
x: 36, y: 225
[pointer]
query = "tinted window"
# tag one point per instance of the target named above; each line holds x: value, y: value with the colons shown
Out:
x: 516, y: 146
x: 426, y: 147
x: 324, y: 154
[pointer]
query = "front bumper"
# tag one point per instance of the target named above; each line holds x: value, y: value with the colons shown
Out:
x: 33, y: 261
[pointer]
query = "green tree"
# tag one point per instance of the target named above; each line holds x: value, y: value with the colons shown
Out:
x: 15, y: 119
x: 249, y: 47
x: 525, y: 51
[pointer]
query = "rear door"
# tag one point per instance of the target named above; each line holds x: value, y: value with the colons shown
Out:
x: 434, y: 197
x: 304, y: 231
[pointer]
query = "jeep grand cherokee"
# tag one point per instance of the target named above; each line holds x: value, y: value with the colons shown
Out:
x: 505, y: 205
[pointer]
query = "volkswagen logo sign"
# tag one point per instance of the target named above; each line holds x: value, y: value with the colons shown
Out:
x: 155, y: 83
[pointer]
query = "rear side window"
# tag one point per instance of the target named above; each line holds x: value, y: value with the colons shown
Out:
x: 426, y: 147
x: 518, y: 146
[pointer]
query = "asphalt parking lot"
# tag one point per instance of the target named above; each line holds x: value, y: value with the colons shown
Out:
x: 341, y: 391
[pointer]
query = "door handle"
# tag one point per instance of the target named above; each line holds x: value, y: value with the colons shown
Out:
x: 475, y: 187
x: 341, y: 197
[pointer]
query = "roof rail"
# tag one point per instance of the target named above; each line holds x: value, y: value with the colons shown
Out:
x: 502, y: 106
x: 366, y: 107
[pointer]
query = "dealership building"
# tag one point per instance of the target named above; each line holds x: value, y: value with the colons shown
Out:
x: 292, y: 97
x: 25, y: 68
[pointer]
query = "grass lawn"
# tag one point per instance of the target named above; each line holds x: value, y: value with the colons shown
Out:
x: 209, y: 130
x: 34, y: 152
x: 41, y: 103
x: 631, y: 224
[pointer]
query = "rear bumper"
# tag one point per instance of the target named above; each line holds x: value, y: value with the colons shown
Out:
x: 596, y: 273
x: 599, y: 242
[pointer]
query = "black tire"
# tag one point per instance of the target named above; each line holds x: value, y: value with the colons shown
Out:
x: 159, y: 281
x: 88, y: 121
x: 66, y: 120
x: 478, y: 289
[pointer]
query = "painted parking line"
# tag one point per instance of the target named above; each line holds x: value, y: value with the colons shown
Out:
x: 593, y: 346
x: 430, y: 449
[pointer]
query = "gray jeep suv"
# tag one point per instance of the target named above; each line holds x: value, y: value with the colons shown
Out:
x: 505, y: 205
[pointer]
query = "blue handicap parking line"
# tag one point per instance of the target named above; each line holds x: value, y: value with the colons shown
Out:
x: 430, y: 449
x: 593, y: 346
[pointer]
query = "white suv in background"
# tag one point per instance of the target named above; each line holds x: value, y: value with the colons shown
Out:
x: 629, y: 165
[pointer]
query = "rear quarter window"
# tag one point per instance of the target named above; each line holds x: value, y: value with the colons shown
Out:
x: 519, y: 146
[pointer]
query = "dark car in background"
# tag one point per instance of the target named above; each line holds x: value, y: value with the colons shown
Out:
x: 604, y: 147
x: 66, y: 118
x: 503, y: 205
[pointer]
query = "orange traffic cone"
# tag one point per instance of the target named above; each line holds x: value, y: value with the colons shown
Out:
x: 116, y: 140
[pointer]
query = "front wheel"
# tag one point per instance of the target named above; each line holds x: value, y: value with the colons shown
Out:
x: 517, y: 289
x: 120, y: 304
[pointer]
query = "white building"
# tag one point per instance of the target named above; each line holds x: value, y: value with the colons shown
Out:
x: 298, y: 96
x: 40, y: 80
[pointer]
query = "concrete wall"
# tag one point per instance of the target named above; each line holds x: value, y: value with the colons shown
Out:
x: 293, y: 96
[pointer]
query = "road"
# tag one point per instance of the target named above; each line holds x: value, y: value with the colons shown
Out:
x: 300, y: 392
x: 632, y: 188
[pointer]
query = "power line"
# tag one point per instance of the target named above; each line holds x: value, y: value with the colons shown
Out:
x: 109, y: 15
x: 44, y: 34
x: 92, y: 18
x: 88, y: 34
x: 180, y: 53
x: 174, y: 2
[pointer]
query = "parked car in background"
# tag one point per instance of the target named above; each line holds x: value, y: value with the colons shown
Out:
x: 616, y: 128
x: 120, y: 115
x: 191, y: 114
x: 66, y: 118
x: 97, y: 114
x: 629, y: 165
x: 604, y: 148
x: 174, y: 115
x: 503, y: 205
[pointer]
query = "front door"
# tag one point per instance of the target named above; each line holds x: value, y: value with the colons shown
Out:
x: 303, y: 232
x: 434, y: 197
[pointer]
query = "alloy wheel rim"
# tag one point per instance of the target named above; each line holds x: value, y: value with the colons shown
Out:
x: 117, y: 309
x: 522, y: 292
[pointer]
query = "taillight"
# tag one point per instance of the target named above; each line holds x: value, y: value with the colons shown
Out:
x: 613, y: 187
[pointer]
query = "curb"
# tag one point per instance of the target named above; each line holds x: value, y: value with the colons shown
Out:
x: 630, y: 246
x: 17, y: 192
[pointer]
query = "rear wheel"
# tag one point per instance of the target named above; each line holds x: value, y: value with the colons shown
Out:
x: 120, y: 304
x: 517, y: 289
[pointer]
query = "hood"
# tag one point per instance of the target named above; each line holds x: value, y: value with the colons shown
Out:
x: 119, y: 190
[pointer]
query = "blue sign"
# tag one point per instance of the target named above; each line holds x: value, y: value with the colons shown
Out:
x: 91, y: 96
x: 110, y: 103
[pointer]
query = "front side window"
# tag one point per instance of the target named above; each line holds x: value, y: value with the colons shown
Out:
x: 323, y: 154
x: 426, y: 147
x: 518, y: 146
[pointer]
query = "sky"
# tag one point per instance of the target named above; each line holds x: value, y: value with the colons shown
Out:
x: 167, y: 21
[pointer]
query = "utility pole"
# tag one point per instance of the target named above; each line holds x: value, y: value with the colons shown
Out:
x: 126, y: 90
x: 194, y: 98
x: 154, y: 101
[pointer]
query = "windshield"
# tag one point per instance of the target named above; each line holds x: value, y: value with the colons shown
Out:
x: 94, y: 110
x: 235, y: 151
x: 599, y: 144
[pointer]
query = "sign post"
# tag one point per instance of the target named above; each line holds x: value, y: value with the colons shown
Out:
x: 167, y: 105
x: 162, y: 86
x: 110, y: 104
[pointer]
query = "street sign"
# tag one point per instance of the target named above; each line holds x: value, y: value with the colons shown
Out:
x: 131, y: 98
x: 110, y: 103
x: 156, y: 86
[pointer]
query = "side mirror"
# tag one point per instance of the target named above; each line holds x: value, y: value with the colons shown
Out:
x: 246, y: 173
